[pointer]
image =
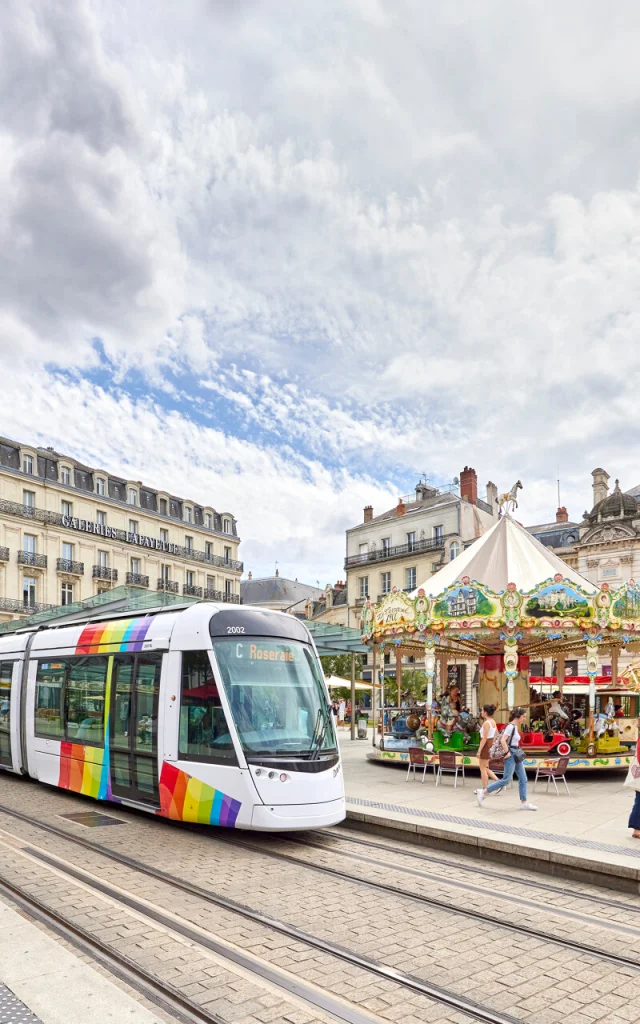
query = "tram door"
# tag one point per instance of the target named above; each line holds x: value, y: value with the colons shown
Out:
x: 6, y: 671
x: 133, y: 726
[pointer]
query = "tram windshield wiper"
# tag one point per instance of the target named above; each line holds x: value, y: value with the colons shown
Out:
x: 320, y: 731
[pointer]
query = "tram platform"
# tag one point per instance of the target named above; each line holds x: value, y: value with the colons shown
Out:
x: 582, y: 834
x: 44, y: 982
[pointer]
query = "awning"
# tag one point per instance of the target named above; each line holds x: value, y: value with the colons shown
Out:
x: 335, y: 639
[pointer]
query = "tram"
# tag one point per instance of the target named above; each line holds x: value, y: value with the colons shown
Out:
x: 205, y: 713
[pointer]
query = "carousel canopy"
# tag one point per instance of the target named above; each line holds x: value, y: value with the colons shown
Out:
x: 505, y: 554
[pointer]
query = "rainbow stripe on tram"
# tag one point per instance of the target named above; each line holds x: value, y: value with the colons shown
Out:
x: 112, y: 637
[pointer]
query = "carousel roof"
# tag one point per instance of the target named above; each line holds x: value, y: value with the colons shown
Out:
x: 506, y: 553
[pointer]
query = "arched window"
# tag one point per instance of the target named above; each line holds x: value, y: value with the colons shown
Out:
x: 454, y: 550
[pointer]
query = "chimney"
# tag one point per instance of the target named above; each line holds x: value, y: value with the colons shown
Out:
x: 368, y: 513
x: 328, y: 596
x: 401, y: 507
x: 600, y: 485
x: 492, y: 496
x: 250, y: 576
x: 562, y: 516
x: 469, y: 485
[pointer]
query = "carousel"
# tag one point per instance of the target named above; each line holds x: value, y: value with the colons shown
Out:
x: 502, y: 603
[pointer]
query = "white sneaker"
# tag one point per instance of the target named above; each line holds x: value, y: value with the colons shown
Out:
x: 528, y: 807
x: 480, y: 794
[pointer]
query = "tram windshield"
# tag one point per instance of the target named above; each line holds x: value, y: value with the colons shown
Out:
x: 277, y: 696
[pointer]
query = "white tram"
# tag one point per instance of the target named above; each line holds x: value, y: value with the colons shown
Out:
x: 207, y: 713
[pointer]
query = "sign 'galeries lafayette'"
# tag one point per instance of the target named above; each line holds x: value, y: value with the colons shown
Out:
x: 111, y: 533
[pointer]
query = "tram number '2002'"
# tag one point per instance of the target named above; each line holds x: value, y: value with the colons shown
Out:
x: 235, y: 629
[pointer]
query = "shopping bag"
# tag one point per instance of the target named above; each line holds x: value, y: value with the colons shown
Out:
x: 632, y: 780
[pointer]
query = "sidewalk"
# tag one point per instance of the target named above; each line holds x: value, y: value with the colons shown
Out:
x: 585, y: 830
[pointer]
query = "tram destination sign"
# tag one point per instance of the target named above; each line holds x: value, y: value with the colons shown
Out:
x: 111, y: 533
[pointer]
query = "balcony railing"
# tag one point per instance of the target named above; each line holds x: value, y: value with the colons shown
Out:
x: 30, y: 558
x: 190, y: 591
x: 134, y: 579
x: 4, y: 554
x: 9, y: 604
x: 221, y: 595
x: 170, y: 586
x: 69, y: 566
x: 398, y: 551
x: 101, y: 572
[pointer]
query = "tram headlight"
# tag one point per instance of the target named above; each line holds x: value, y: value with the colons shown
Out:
x: 258, y: 771
x: 272, y: 775
x: 284, y: 777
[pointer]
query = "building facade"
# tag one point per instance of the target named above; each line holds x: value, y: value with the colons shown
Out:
x: 69, y: 531
x: 278, y: 593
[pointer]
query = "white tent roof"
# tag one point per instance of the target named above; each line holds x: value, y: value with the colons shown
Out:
x: 339, y: 681
x: 506, y: 553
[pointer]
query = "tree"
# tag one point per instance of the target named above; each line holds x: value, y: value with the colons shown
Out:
x: 340, y: 665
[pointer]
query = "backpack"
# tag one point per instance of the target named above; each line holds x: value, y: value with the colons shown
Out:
x: 496, y: 753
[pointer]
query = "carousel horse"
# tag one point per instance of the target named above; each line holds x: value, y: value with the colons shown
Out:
x: 509, y: 500
x: 603, y: 724
x: 466, y: 724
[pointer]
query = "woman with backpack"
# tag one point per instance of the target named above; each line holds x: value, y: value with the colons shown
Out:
x: 509, y: 740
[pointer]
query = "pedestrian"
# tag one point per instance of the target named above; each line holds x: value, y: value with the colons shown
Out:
x: 487, y: 735
x: 349, y: 710
x: 341, y: 711
x: 513, y: 762
x: 634, y: 817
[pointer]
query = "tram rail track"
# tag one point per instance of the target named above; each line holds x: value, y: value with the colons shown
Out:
x: 437, y: 994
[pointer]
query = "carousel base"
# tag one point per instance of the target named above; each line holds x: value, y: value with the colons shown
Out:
x: 577, y: 762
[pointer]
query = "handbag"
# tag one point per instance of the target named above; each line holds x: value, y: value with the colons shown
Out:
x: 632, y: 780
x: 518, y: 754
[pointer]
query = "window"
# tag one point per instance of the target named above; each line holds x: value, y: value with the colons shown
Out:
x: 27, y: 464
x: 101, y: 518
x: 189, y: 578
x: 226, y: 526
x: 387, y: 659
x: 437, y: 534
x: 67, y: 508
x: 208, y: 549
x: 70, y: 697
x: 67, y: 593
x: 410, y: 578
x: 228, y: 588
x: 30, y: 543
x: 386, y: 582
x: 132, y: 496
x: 363, y: 549
x: 28, y: 591
x: 208, y: 520
x: 435, y: 566
x: 100, y: 486
x: 65, y: 476
x: 188, y: 514
x: 29, y: 499
x: 363, y: 584
x: 163, y: 506
x: 211, y: 583
x: 6, y: 671
x: 164, y: 536
x: 67, y: 552
x: 454, y: 551
x: 164, y: 573
x: 135, y: 566
x: 411, y: 540
x: 227, y: 555
x: 204, y: 735
x: 188, y: 543
x: 134, y: 526
x: 103, y: 559
x: 386, y: 543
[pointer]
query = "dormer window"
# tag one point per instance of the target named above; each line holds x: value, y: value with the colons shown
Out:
x: 226, y: 525
x: 188, y: 514
x: 27, y: 464
x: 208, y: 520
x: 65, y: 476
x: 132, y: 496
x: 101, y: 487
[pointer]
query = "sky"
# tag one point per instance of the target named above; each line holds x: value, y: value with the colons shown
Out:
x: 286, y: 258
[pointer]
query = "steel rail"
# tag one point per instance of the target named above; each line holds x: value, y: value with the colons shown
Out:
x: 477, y: 1011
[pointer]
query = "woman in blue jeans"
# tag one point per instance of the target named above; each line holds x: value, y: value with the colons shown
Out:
x: 513, y: 762
x: 634, y: 817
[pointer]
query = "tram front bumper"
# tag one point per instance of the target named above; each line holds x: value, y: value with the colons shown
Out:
x: 287, y: 817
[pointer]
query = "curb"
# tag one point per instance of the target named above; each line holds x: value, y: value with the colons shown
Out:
x: 547, y: 862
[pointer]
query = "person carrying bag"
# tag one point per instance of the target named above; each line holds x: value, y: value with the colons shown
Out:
x: 632, y: 781
x: 507, y: 744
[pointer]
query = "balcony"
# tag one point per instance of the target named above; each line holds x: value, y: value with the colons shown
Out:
x: 31, y: 559
x: 221, y: 596
x: 190, y: 591
x: 102, y: 572
x: 134, y: 579
x: 398, y: 551
x: 9, y: 604
x: 4, y: 554
x: 70, y: 567
x: 170, y: 586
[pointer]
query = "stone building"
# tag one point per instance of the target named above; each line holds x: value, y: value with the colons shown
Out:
x: 69, y: 531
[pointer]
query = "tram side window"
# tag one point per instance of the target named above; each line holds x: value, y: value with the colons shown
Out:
x: 204, y: 735
x: 70, y: 694
x: 6, y: 671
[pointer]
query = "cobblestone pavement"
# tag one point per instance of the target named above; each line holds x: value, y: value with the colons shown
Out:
x: 531, y: 979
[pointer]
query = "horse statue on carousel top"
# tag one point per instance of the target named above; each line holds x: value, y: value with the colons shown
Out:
x: 509, y: 500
